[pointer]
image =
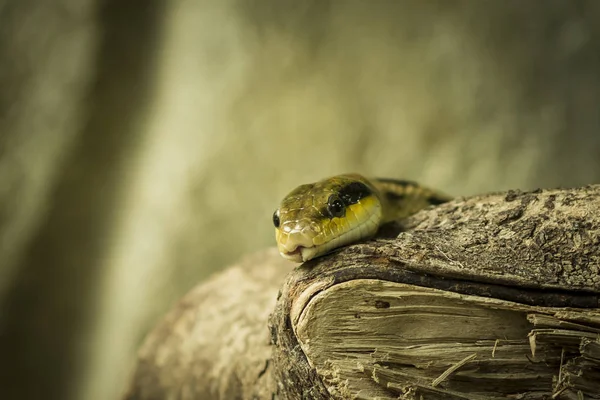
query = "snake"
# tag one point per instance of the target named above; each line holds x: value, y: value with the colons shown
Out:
x: 318, y: 218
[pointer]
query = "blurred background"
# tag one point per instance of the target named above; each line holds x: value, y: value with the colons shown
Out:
x: 145, y: 144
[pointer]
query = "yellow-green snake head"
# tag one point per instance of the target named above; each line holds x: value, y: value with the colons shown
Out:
x: 316, y: 218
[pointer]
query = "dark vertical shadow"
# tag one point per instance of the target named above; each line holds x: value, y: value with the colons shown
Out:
x: 48, y: 306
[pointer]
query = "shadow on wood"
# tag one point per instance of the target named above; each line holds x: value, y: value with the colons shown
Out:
x: 493, y: 296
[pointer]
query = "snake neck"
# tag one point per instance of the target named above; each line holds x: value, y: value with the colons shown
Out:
x: 401, y: 198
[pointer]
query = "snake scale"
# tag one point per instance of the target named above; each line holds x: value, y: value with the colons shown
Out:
x: 315, y: 219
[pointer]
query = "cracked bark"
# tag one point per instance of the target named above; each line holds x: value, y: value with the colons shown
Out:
x: 481, y: 298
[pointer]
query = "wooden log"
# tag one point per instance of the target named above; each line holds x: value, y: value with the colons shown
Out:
x: 487, y: 297
x: 215, y: 342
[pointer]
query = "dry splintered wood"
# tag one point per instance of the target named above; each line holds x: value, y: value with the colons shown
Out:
x: 487, y: 297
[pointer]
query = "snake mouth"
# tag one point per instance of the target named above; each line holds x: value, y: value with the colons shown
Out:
x: 296, y: 245
x: 302, y: 253
x: 299, y: 254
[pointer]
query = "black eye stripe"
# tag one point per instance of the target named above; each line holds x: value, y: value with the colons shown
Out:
x: 353, y: 192
x: 349, y: 194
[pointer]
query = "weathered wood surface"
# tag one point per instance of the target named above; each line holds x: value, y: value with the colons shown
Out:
x: 489, y: 297
x: 215, y: 343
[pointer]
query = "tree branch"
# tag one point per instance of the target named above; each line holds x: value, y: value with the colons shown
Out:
x: 485, y: 297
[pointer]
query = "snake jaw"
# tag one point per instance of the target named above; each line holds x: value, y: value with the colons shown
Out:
x: 295, y: 256
x: 300, y: 253
x: 295, y: 243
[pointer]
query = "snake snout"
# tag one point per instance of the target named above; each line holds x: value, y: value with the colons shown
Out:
x: 298, y: 239
x: 293, y: 245
x: 298, y: 234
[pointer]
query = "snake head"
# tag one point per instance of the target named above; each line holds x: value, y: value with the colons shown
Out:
x: 316, y: 218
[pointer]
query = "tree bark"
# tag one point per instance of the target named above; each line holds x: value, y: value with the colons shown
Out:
x: 487, y: 297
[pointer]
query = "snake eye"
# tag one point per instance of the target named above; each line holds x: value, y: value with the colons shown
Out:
x: 276, y: 220
x: 335, y: 206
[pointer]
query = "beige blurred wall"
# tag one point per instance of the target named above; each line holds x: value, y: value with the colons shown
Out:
x: 144, y: 145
